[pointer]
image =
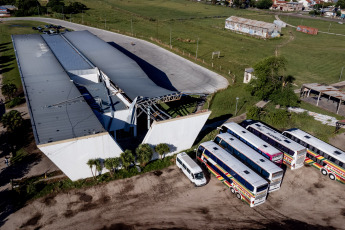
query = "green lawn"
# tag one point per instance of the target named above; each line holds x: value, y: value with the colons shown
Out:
x: 7, y: 58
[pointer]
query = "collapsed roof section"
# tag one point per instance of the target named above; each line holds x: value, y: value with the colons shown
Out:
x: 122, y: 70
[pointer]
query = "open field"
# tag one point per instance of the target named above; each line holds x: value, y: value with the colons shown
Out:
x: 311, y: 58
x: 8, y: 62
x: 166, y: 199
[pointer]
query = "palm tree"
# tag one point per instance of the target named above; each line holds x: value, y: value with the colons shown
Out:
x: 98, y: 163
x: 91, y: 163
x: 116, y: 162
x: 9, y: 90
x: 144, y: 154
x: 127, y: 158
x: 162, y: 149
x: 12, y: 120
x: 108, y: 163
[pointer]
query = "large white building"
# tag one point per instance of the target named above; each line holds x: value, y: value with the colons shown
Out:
x: 85, y: 97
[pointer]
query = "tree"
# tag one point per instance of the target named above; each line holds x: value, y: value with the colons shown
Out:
x: 99, y: 166
x: 13, y: 121
x: 271, y: 83
x: 144, y: 153
x: 9, y: 90
x: 162, y: 149
x: 254, y: 113
x: 127, y: 158
x: 264, y: 4
x: 91, y: 163
x: 341, y: 4
x: 112, y: 164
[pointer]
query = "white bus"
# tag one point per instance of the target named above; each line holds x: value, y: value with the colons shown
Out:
x: 191, y: 169
x: 262, y: 166
x: 325, y: 157
x: 294, y: 153
x: 242, y: 181
x: 254, y: 142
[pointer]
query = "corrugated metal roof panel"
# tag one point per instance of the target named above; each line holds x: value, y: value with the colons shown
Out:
x: 122, y: 70
x: 68, y: 57
x: 253, y: 23
x: 58, y: 110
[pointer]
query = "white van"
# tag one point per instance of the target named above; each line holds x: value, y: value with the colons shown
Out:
x: 191, y: 169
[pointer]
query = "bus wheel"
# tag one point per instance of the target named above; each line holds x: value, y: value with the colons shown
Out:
x: 232, y: 190
x: 331, y: 176
x: 324, y: 172
x: 238, y: 196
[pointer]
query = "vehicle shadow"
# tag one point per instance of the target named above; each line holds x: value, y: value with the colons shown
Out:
x: 156, y: 75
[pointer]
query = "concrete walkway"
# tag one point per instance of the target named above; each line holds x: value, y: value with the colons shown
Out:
x: 183, y: 74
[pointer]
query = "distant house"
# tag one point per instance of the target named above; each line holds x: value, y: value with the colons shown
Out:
x: 252, y: 27
x: 4, y: 12
x: 287, y: 6
x: 248, y: 75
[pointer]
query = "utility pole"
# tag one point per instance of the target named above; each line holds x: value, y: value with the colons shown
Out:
x: 341, y: 73
x: 82, y: 17
x: 236, y: 105
x: 132, y: 26
x: 170, y: 37
x: 197, y: 46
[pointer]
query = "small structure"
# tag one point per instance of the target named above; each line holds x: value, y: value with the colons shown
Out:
x: 307, y: 30
x: 252, y: 27
x: 4, y: 12
x: 287, y: 6
x: 342, y: 14
x: 331, y: 92
x: 280, y: 23
x: 248, y: 75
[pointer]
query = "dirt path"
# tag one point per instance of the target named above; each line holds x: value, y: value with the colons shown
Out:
x: 169, y: 200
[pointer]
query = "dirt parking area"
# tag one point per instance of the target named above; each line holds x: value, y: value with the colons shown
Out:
x: 166, y: 199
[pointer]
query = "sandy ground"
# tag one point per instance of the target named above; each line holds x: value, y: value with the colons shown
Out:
x: 166, y: 199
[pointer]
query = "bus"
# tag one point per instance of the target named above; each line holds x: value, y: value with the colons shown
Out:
x: 242, y: 181
x: 264, y: 167
x: 254, y: 142
x: 294, y: 153
x: 325, y: 157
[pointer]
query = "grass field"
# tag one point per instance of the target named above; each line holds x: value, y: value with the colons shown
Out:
x: 310, y: 58
x: 8, y: 62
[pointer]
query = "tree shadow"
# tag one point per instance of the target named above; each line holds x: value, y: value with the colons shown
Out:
x: 11, y: 143
x: 4, y: 44
x: 6, y: 59
x: 5, y: 70
x: 156, y: 75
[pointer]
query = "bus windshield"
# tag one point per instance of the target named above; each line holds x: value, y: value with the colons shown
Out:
x: 262, y: 188
x: 199, y: 175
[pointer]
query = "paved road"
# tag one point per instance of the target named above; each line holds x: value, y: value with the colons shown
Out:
x: 183, y: 74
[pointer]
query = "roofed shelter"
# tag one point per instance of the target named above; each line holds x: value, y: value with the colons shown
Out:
x: 329, y: 91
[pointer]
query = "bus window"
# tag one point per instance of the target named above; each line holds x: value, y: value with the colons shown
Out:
x: 217, y: 140
x: 341, y: 164
x: 200, y: 151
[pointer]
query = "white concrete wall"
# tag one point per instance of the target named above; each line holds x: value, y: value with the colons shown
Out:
x: 71, y: 156
x: 179, y: 133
